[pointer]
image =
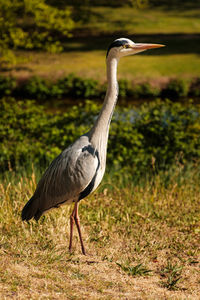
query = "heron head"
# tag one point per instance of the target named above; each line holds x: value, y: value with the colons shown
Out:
x: 124, y: 47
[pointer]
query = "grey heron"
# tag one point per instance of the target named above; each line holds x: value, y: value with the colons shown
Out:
x: 79, y: 169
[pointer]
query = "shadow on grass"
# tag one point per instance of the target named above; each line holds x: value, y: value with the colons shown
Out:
x: 179, y: 5
x: 175, y: 43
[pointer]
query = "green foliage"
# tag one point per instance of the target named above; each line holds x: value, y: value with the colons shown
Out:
x: 63, y: 87
x: 31, y: 24
x: 124, y: 88
x: 145, y: 90
x: 140, y: 90
x: 172, y: 273
x: 27, y: 133
x: 35, y: 88
x: 84, y: 88
x: 195, y: 88
x: 72, y: 86
x: 76, y: 87
x: 138, y: 270
x: 7, y: 85
x: 153, y: 137
x: 176, y: 88
x: 170, y: 131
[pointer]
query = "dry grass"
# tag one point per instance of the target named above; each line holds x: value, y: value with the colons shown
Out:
x: 142, y: 243
x: 91, y: 64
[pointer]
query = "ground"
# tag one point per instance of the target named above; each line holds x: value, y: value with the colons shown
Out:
x: 142, y: 243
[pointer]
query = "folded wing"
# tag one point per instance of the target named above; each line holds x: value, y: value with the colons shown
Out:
x: 68, y: 178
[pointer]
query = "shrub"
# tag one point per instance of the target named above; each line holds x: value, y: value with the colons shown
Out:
x: 195, y: 88
x: 27, y: 133
x: 160, y: 131
x: 35, y: 88
x: 66, y: 85
x: 7, y: 85
x: 32, y: 24
x: 86, y: 88
x: 145, y: 90
x: 124, y: 88
x: 164, y: 132
x: 170, y: 131
x: 75, y: 87
x: 56, y: 91
x: 176, y: 88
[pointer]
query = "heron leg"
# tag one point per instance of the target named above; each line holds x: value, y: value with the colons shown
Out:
x: 75, y: 218
x: 71, y: 228
x: 77, y: 221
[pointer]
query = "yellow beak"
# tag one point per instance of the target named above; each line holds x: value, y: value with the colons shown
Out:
x: 146, y: 46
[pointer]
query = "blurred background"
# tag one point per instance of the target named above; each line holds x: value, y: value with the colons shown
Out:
x: 53, y: 52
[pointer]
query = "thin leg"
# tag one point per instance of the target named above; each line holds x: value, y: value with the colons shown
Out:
x: 71, y: 228
x: 76, y: 218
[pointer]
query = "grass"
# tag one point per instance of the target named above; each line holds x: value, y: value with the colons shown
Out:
x: 149, y: 20
x: 157, y: 67
x: 142, y: 241
x: 173, y: 275
x: 84, y: 54
x: 137, y: 270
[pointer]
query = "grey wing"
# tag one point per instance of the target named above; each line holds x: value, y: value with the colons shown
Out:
x: 69, y: 177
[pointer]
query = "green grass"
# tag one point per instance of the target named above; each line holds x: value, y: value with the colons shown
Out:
x: 85, y: 53
x: 148, y: 21
x: 156, y: 67
x: 141, y: 239
x: 138, y: 270
x: 172, y: 273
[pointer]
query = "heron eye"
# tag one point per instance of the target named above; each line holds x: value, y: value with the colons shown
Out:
x: 126, y: 46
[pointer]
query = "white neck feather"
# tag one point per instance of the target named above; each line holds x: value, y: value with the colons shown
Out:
x: 99, y: 133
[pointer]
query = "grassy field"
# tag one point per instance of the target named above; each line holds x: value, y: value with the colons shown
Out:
x: 84, y: 54
x: 158, y: 66
x: 180, y: 19
x: 142, y: 242
x: 179, y: 58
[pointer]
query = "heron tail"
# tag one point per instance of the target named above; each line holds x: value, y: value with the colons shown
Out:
x: 31, y: 210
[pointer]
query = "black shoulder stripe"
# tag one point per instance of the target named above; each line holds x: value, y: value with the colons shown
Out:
x: 90, y: 149
x: 90, y: 186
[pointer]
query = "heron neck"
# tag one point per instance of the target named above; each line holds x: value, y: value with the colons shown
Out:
x: 100, y: 129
